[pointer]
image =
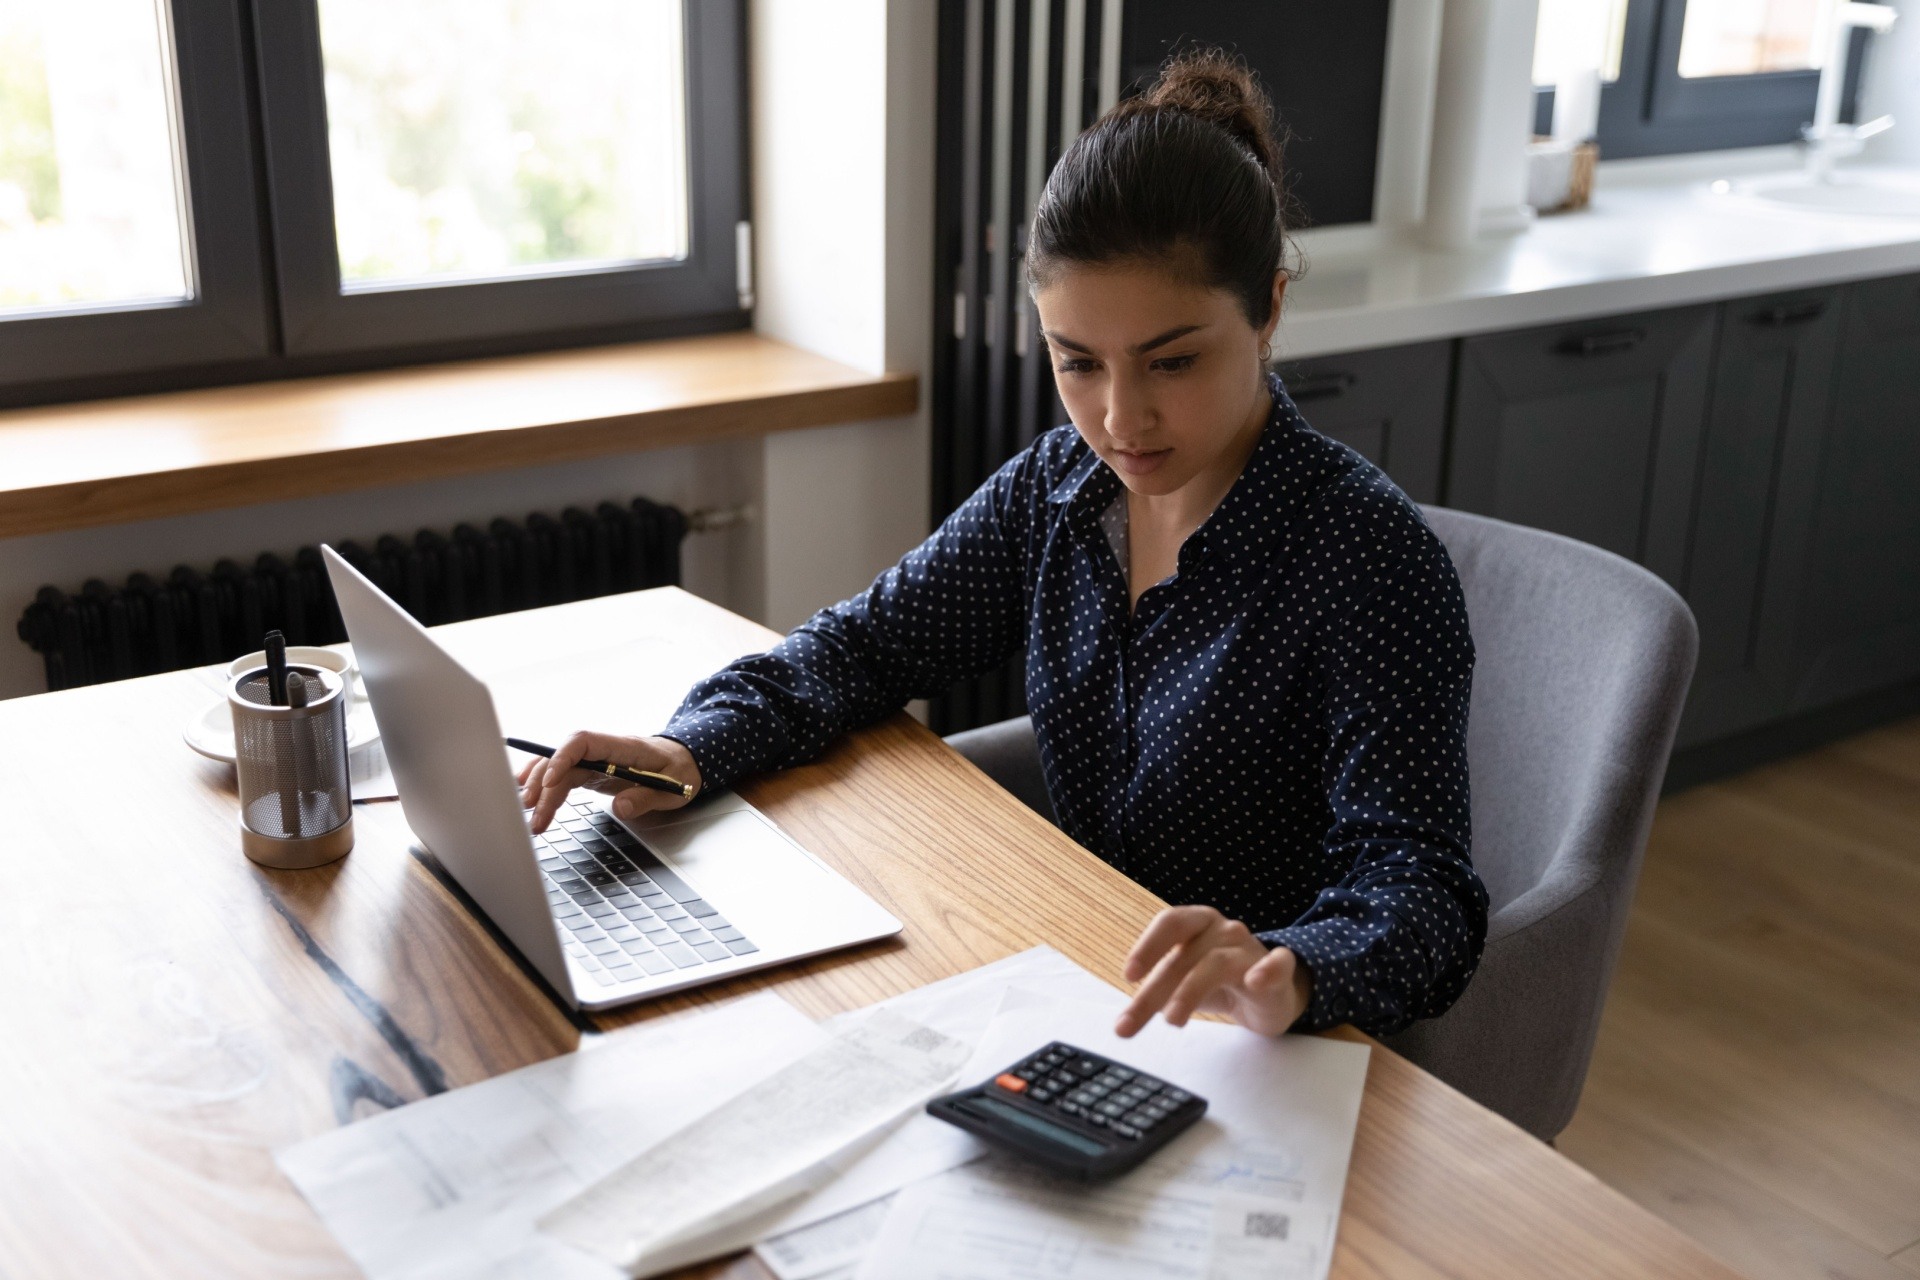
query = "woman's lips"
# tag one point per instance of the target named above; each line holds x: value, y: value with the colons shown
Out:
x: 1140, y: 464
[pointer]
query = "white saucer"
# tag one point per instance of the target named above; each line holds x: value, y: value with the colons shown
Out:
x: 211, y: 732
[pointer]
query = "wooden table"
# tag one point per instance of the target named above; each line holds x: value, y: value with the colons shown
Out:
x: 171, y: 1014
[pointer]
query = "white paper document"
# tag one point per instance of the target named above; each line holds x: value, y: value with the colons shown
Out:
x: 761, y: 1148
x: 450, y: 1186
x: 1253, y: 1190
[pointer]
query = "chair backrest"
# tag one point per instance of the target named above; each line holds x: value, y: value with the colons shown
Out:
x: 1581, y: 664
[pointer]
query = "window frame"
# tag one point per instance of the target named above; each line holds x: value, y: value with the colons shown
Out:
x: 318, y: 317
x: 226, y: 319
x: 1653, y: 110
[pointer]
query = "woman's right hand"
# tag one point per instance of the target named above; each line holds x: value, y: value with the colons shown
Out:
x: 545, y: 784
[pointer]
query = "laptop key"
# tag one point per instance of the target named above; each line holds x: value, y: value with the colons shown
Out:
x: 710, y: 951
x: 699, y: 907
x: 600, y: 910
x: 582, y: 923
x: 634, y: 879
x: 621, y: 932
x: 603, y: 946
x: 681, y: 955
x: 595, y: 876
x: 685, y: 925
x: 654, y: 963
x: 636, y: 946
x: 624, y: 972
x: 724, y: 932
x: 671, y: 913
x: 741, y: 947
x: 553, y: 863
x: 635, y: 912
x: 673, y: 884
x: 602, y: 977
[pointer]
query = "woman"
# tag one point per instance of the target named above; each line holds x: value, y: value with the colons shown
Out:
x: 1247, y: 656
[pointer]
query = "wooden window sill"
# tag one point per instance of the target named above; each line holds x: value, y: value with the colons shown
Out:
x: 112, y: 461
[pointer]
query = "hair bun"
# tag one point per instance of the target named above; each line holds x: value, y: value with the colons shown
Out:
x: 1221, y: 90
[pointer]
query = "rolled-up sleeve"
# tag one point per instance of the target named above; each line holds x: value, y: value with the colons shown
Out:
x: 1401, y: 933
x: 954, y: 607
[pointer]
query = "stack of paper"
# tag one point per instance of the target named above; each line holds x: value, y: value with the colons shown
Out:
x: 687, y: 1138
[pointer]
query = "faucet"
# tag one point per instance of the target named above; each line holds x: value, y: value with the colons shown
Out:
x: 1826, y: 138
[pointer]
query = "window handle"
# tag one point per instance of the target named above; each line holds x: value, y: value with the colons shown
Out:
x: 1319, y: 386
x: 1609, y: 343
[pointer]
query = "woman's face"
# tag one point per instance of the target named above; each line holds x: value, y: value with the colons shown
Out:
x: 1162, y: 377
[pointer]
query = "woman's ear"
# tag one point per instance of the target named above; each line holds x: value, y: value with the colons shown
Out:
x: 1273, y: 316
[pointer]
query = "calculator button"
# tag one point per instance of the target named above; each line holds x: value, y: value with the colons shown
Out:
x: 1176, y: 1096
x: 1112, y: 1110
x: 1025, y: 1074
x: 1124, y: 1130
x: 1148, y: 1083
x: 1072, y: 1109
x: 1040, y: 1093
x: 1083, y: 1097
x: 1121, y: 1074
x: 1138, y: 1119
x: 1096, y: 1119
x: 1063, y: 1079
x: 1110, y: 1080
x: 1087, y: 1067
x: 1010, y: 1082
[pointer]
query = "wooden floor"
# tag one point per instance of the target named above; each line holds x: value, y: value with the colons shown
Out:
x: 1757, y: 1079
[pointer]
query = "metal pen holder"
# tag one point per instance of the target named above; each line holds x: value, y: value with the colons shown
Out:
x: 296, y: 805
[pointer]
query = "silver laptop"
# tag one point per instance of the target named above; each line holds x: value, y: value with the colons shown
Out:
x: 607, y: 912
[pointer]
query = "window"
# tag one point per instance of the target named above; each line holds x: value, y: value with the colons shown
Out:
x: 242, y: 187
x: 1691, y: 75
x: 128, y: 232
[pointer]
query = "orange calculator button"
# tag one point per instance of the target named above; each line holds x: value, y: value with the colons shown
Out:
x: 1011, y: 1083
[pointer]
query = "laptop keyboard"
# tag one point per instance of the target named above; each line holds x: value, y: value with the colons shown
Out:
x: 629, y: 915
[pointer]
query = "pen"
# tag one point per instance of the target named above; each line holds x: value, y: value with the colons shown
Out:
x: 639, y: 777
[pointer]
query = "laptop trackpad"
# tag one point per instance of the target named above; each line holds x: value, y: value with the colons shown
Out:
x: 741, y: 862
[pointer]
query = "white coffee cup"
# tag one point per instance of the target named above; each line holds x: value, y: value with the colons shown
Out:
x: 312, y: 655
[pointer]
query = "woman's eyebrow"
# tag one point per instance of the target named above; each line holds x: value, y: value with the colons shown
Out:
x: 1060, y: 340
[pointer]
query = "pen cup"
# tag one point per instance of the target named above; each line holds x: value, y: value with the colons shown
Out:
x: 296, y: 808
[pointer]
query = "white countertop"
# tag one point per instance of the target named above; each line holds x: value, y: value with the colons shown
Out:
x: 1656, y: 235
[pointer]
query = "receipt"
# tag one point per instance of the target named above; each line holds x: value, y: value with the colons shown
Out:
x: 767, y: 1145
x: 1000, y: 1220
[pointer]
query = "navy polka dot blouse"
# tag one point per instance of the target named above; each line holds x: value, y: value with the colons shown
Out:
x: 1278, y: 730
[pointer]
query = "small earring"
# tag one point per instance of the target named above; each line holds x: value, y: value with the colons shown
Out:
x: 1266, y: 352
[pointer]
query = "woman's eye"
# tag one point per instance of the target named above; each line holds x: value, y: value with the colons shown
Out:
x: 1174, y: 364
x: 1074, y: 366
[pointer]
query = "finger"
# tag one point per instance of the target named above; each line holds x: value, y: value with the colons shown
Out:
x: 531, y: 781
x: 1274, y: 972
x: 1219, y: 967
x: 634, y: 801
x: 1160, y: 984
x: 520, y: 776
x: 559, y: 778
x: 1168, y: 930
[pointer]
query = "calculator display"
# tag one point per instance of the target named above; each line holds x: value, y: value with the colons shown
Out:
x: 999, y: 1110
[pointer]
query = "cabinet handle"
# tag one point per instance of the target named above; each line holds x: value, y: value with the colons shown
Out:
x: 1602, y: 344
x: 1319, y: 386
x: 1790, y: 313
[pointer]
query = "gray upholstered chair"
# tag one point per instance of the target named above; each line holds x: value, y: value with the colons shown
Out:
x: 1583, y: 661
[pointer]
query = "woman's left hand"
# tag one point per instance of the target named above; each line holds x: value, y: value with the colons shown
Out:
x: 1196, y: 960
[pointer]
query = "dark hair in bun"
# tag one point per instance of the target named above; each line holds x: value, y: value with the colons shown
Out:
x: 1188, y: 172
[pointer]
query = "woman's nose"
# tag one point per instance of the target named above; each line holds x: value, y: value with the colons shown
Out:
x: 1129, y: 417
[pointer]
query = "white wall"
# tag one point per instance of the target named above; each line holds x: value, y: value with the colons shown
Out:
x: 843, y: 121
x: 843, y: 125
x: 1892, y: 87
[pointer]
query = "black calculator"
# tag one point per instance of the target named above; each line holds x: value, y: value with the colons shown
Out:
x: 1076, y: 1112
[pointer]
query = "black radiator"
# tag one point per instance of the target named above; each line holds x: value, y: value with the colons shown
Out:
x: 190, y: 618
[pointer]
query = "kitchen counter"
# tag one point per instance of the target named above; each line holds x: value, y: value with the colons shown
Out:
x: 1657, y: 234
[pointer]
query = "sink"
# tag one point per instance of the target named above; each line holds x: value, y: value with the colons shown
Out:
x: 1876, y: 192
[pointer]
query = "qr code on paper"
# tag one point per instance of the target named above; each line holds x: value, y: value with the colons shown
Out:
x: 1265, y: 1226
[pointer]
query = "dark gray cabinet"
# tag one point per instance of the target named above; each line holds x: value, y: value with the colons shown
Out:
x: 1389, y: 405
x: 1759, y: 470
x: 1590, y: 429
x: 1859, y: 614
